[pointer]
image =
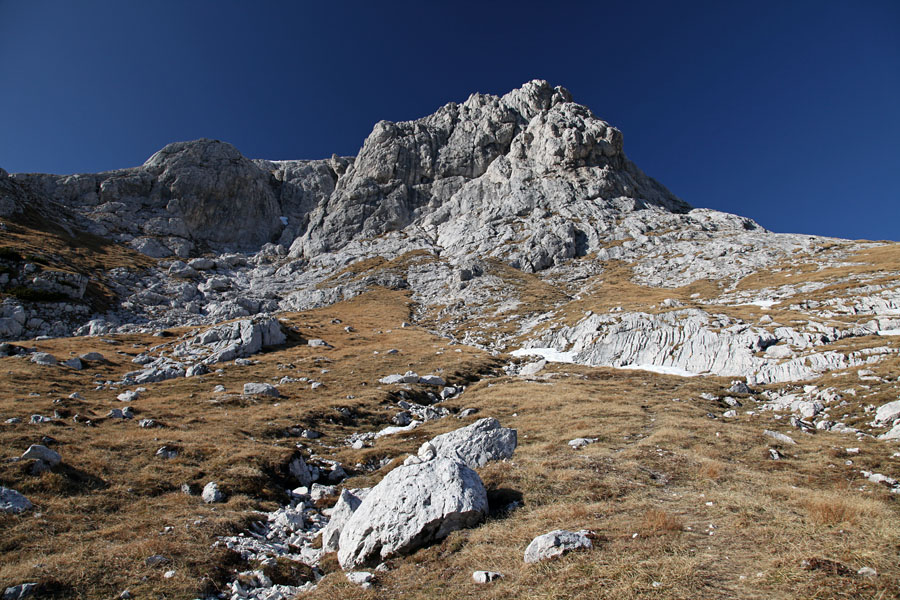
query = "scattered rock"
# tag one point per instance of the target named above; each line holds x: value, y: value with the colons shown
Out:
x: 74, y: 363
x: 43, y: 454
x: 533, y: 368
x: 262, y: 389
x: 156, y: 560
x: 408, y: 377
x: 556, y: 543
x: 485, y: 576
x: 780, y: 437
x: 739, y: 387
x: 888, y: 412
x: 361, y: 578
x: 128, y: 396
x: 167, y: 453
x: 582, y: 442
x: 12, y: 501
x: 211, y: 493
x: 92, y: 357
x: 20, y: 592
x: 43, y: 358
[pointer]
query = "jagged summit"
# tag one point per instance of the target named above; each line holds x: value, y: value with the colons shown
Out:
x: 531, y: 161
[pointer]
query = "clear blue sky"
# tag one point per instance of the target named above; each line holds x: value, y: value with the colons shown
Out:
x: 786, y: 112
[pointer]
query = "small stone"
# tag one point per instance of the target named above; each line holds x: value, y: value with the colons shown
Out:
x: 156, y: 560
x: 74, y: 363
x: 211, y: 493
x: 867, y: 572
x: 12, y: 502
x: 432, y: 380
x: 485, y: 576
x: 169, y: 574
x: 43, y: 454
x: 556, y: 543
x: 262, y: 389
x: 780, y: 437
x: 43, y: 358
x: 582, y: 442
x: 128, y: 396
x: 166, y: 453
x: 148, y: 423
x: 739, y: 387
x: 20, y: 592
x: 729, y: 414
x: 317, y: 343
x: 361, y: 578
x: 92, y: 356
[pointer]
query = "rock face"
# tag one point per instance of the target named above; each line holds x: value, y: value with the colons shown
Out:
x: 476, y: 444
x: 412, y: 506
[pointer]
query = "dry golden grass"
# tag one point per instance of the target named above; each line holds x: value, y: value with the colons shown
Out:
x: 673, y: 497
x: 32, y: 234
x: 659, y: 521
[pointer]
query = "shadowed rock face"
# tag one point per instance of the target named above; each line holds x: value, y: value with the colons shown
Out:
x: 221, y: 197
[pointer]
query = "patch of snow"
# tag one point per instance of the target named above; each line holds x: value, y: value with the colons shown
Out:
x: 761, y: 303
x: 659, y: 369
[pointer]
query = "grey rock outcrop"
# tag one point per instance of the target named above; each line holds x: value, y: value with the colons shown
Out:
x: 412, y: 506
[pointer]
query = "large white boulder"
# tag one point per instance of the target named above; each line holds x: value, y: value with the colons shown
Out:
x: 476, y: 444
x: 411, y: 507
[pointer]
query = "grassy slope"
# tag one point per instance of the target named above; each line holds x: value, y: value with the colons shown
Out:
x: 657, y: 465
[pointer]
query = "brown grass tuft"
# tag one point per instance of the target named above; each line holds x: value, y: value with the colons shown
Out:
x: 832, y: 510
x: 660, y: 521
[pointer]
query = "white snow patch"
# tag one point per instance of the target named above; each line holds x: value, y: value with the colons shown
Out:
x: 659, y: 369
x: 761, y: 303
x: 548, y: 354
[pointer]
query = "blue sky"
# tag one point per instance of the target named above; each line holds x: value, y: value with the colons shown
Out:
x: 786, y: 112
